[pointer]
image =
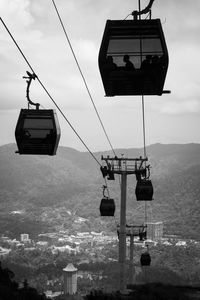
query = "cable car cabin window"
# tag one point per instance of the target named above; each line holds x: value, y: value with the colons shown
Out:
x: 38, y: 122
x: 118, y: 48
x: 38, y: 128
x: 133, y: 58
x: 37, y: 132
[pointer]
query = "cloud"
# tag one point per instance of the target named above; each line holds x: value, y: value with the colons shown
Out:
x: 183, y: 74
x: 37, y: 30
x: 17, y: 13
x: 53, y: 62
x: 181, y: 107
x: 87, y: 50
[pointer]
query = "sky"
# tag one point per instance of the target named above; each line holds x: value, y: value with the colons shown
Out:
x: 171, y: 118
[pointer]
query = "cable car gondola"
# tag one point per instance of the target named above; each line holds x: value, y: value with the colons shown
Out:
x: 37, y: 132
x: 107, y: 207
x: 133, y: 57
x: 144, y: 190
x: 145, y: 259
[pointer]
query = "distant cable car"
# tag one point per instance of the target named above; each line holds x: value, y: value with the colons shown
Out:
x: 37, y: 132
x: 145, y: 259
x: 142, y: 234
x: 133, y: 57
x: 107, y: 207
x: 144, y: 190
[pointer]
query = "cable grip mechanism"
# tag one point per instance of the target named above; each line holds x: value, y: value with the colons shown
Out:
x: 146, y: 10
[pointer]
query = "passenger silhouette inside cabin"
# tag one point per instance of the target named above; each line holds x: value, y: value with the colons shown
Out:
x: 128, y: 64
x: 155, y: 62
x: 146, y: 63
x: 110, y: 65
x: 26, y: 134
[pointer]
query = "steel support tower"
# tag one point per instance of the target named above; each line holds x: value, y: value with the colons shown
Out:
x: 124, y: 167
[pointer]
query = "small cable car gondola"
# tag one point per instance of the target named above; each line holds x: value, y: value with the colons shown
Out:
x: 145, y: 259
x: 144, y: 190
x: 37, y: 130
x: 142, y: 233
x: 133, y: 57
x: 107, y: 207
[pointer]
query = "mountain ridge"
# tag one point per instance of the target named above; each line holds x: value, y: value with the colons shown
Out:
x: 41, y: 185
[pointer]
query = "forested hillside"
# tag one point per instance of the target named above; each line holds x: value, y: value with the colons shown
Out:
x: 37, y: 192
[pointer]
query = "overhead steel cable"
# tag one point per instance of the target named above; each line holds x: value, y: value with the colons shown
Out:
x: 146, y: 10
x: 143, y: 127
x: 49, y: 93
x: 17, y: 45
x: 82, y: 75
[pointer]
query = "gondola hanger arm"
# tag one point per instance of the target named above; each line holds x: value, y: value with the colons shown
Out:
x: 104, y: 188
x: 146, y: 10
x: 29, y: 78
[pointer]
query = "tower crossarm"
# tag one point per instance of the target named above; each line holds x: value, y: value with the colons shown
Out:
x: 125, y: 165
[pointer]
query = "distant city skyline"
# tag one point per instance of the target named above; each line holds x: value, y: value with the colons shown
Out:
x: 171, y: 118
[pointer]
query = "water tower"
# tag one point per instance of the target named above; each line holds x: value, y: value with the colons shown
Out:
x: 70, y: 279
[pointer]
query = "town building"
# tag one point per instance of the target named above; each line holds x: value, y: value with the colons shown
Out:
x: 70, y: 279
x: 24, y: 237
x: 155, y: 231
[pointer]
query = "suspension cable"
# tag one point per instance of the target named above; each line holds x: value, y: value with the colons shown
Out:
x: 85, y: 82
x: 40, y: 82
x: 143, y: 125
x: 144, y: 141
x: 82, y: 75
x: 142, y: 98
x: 49, y: 93
x: 17, y: 45
x: 143, y: 107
